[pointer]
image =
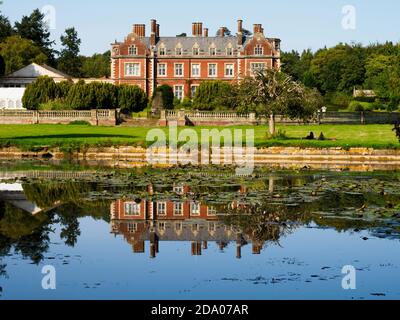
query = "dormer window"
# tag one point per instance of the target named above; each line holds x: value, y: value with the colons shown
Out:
x: 196, y: 51
x: 132, y: 51
x: 162, y: 51
x: 178, y: 51
x: 258, y: 50
x: 229, y: 51
x: 213, y: 51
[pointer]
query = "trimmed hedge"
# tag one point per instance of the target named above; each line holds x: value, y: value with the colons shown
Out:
x: 43, y: 90
x: 44, y: 93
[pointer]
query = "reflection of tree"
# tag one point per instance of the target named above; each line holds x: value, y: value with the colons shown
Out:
x: 46, y: 195
x: 261, y: 222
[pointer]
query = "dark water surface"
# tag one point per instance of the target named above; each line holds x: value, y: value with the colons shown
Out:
x: 198, y: 234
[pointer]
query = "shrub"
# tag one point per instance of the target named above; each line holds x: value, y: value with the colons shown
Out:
x: 186, y: 103
x: 339, y: 99
x: 80, y: 97
x: 80, y: 123
x: 177, y: 102
x: 131, y: 99
x: 214, y: 94
x: 365, y: 99
x: 62, y: 89
x: 356, y: 107
x: 54, y: 105
x: 42, y: 90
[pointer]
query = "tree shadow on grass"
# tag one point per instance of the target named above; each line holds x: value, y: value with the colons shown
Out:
x: 72, y: 136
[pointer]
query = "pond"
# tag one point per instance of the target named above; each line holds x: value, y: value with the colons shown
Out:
x: 192, y: 233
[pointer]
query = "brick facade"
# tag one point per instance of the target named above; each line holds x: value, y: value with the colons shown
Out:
x: 184, y: 62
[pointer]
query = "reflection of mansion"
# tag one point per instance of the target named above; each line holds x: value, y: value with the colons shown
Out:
x: 188, y: 221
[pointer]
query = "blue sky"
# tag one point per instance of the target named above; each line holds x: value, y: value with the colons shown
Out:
x: 300, y: 24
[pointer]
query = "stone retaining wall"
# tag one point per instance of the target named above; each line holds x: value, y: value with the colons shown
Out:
x: 281, y: 157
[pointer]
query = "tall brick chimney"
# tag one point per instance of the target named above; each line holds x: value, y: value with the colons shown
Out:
x: 222, y: 31
x: 158, y: 31
x: 205, y: 32
x: 240, y: 32
x: 197, y: 29
x: 153, y: 34
x: 140, y: 30
x: 258, y: 28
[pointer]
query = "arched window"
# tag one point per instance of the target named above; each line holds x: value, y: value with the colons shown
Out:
x: 178, y: 50
x: 196, y: 50
x: 229, y: 50
x: 161, y: 50
x: 213, y: 50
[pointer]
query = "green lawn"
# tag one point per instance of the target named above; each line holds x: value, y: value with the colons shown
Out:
x: 31, y: 137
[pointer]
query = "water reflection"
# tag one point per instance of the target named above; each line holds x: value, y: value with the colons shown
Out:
x: 238, y: 215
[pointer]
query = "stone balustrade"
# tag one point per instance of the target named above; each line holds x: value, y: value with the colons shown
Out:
x: 94, y: 117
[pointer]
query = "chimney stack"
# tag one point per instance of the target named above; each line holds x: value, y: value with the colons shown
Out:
x: 240, y: 32
x: 153, y: 35
x: 197, y: 29
x: 206, y: 32
x: 258, y: 28
x: 158, y: 31
x: 222, y: 31
x: 139, y: 30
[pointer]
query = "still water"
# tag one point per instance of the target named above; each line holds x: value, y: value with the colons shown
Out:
x: 198, y: 234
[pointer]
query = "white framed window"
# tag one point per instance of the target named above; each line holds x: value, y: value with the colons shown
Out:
x: 132, y: 69
x: 178, y: 209
x: 162, y: 70
x: 178, y: 70
x: 213, y: 51
x: 161, y: 208
x: 229, y: 51
x: 179, y: 188
x: 132, y: 50
x: 195, y: 227
x: 212, y: 69
x: 178, y: 51
x: 195, y: 208
x: 196, y: 51
x: 195, y: 70
x: 229, y: 70
x: 193, y: 90
x: 211, y: 211
x: 258, y: 50
x: 178, y: 92
x: 162, y: 51
x: 132, y: 227
x: 132, y: 209
x: 257, y: 66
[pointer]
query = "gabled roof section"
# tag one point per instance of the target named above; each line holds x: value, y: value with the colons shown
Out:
x: 34, y: 70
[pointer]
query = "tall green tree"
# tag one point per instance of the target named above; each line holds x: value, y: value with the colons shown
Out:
x: 96, y: 66
x: 6, y: 29
x: 33, y: 27
x: 69, y: 61
x: 271, y: 92
x: 18, y: 53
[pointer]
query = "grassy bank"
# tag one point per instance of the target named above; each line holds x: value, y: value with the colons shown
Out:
x: 72, y: 137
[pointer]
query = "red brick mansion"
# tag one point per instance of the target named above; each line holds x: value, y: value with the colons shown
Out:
x: 183, y: 62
